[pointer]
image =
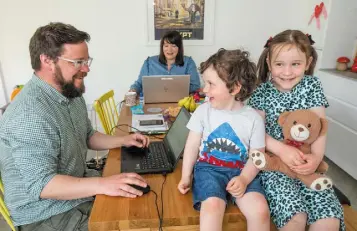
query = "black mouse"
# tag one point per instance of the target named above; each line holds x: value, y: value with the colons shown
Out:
x: 136, y: 150
x: 144, y: 190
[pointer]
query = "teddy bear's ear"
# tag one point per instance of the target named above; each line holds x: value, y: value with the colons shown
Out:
x: 283, y: 117
x: 324, y: 126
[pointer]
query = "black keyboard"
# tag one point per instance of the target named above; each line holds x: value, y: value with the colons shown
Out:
x: 156, y: 158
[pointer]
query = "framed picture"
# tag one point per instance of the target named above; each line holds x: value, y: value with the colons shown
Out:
x: 194, y: 19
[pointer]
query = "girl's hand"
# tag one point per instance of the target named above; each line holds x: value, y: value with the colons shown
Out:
x: 292, y: 156
x: 312, y: 162
x: 237, y: 186
x: 184, y: 185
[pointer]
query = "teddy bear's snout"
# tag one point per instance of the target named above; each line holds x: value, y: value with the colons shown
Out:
x: 301, y: 129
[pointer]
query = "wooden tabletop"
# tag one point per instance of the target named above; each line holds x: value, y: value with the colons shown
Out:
x: 139, y: 214
x: 118, y: 213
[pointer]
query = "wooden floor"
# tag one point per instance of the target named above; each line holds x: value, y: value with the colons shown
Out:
x: 350, y: 220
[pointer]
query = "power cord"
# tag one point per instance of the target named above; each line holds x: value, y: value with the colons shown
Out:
x: 161, y: 217
x: 127, y: 125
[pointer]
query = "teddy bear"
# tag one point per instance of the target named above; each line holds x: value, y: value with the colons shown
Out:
x: 300, y: 129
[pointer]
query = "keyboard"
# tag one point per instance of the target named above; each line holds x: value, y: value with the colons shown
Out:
x: 156, y: 158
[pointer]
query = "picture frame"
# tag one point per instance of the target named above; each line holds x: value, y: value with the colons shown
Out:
x: 194, y: 19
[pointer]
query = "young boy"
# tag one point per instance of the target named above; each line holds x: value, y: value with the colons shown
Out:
x: 222, y: 131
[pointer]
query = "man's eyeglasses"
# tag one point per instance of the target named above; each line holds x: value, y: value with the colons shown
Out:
x: 79, y: 63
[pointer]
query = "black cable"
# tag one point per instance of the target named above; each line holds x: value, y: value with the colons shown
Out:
x: 161, y: 216
x: 119, y: 125
x: 157, y: 209
x: 162, y: 202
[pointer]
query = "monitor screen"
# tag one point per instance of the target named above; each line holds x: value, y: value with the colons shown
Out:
x: 177, y: 135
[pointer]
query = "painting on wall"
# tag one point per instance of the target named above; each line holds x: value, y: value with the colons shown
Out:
x: 194, y: 19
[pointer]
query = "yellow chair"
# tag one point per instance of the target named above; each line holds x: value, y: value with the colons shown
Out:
x: 107, y: 112
x: 5, y: 213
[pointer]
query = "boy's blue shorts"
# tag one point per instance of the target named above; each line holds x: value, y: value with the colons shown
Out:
x: 211, y: 181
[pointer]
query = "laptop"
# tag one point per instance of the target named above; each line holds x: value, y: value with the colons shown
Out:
x: 165, y: 88
x: 160, y: 156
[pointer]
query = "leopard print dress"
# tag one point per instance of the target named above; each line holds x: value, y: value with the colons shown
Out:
x: 286, y: 196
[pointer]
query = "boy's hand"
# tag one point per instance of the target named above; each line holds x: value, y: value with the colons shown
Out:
x: 237, y: 186
x: 184, y: 185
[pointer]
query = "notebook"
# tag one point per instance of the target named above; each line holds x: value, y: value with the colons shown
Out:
x: 160, y: 156
x: 165, y: 88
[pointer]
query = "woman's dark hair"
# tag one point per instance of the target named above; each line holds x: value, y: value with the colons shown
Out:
x: 172, y: 37
x: 288, y: 37
x: 49, y: 40
x: 234, y: 68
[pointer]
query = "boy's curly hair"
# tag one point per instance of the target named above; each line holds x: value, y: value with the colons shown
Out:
x: 234, y: 68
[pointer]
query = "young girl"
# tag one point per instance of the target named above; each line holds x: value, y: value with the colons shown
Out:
x: 285, y: 71
x: 222, y: 131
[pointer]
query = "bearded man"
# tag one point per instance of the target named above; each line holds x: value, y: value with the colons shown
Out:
x: 45, y: 134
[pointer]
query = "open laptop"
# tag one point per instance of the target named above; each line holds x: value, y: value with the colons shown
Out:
x: 160, y: 156
x: 165, y: 88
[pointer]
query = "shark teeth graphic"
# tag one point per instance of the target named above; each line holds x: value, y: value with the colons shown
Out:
x: 223, y: 145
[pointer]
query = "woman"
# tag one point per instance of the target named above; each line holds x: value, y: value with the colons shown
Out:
x: 171, y: 61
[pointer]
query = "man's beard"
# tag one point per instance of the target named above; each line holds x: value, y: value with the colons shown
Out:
x: 69, y: 90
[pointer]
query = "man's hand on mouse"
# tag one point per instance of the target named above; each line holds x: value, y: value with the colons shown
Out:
x: 135, y: 139
x: 117, y: 185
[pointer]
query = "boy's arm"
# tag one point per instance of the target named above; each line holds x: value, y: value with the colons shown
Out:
x: 191, y: 153
x: 249, y: 171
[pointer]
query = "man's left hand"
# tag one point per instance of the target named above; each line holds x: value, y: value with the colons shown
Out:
x: 135, y: 139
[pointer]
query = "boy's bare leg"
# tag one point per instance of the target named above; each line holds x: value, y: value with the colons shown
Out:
x: 255, y: 209
x: 211, y: 214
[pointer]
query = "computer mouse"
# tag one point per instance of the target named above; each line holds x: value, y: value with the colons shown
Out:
x: 144, y: 190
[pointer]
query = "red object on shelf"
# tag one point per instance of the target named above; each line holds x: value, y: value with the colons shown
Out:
x: 354, y: 67
x: 343, y: 60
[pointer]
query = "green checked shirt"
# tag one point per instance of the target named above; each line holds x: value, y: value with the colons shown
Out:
x: 42, y: 133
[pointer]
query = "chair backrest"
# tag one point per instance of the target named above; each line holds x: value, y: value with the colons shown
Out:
x: 107, y: 112
x: 3, y: 210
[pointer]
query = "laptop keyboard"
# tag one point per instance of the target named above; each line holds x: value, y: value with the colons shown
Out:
x: 156, y: 158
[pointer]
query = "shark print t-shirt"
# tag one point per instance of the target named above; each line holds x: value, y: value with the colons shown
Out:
x: 227, y: 136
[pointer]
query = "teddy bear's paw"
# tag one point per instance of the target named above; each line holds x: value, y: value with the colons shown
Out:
x: 258, y: 159
x: 321, y: 184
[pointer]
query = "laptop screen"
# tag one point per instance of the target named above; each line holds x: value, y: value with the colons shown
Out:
x: 177, y: 135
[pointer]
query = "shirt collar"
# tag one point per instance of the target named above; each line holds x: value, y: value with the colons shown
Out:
x: 52, y: 92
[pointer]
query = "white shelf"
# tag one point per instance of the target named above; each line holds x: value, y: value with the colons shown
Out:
x: 345, y: 74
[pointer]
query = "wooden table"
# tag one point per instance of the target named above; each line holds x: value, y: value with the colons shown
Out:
x: 140, y: 214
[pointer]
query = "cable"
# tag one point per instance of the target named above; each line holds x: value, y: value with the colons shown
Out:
x: 119, y: 125
x: 162, y: 202
x: 161, y: 216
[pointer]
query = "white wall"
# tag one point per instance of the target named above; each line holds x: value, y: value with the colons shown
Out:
x: 4, y: 98
x: 341, y: 33
x: 118, y: 32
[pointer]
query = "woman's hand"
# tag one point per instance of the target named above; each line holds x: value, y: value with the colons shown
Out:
x: 292, y: 156
x: 312, y: 162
